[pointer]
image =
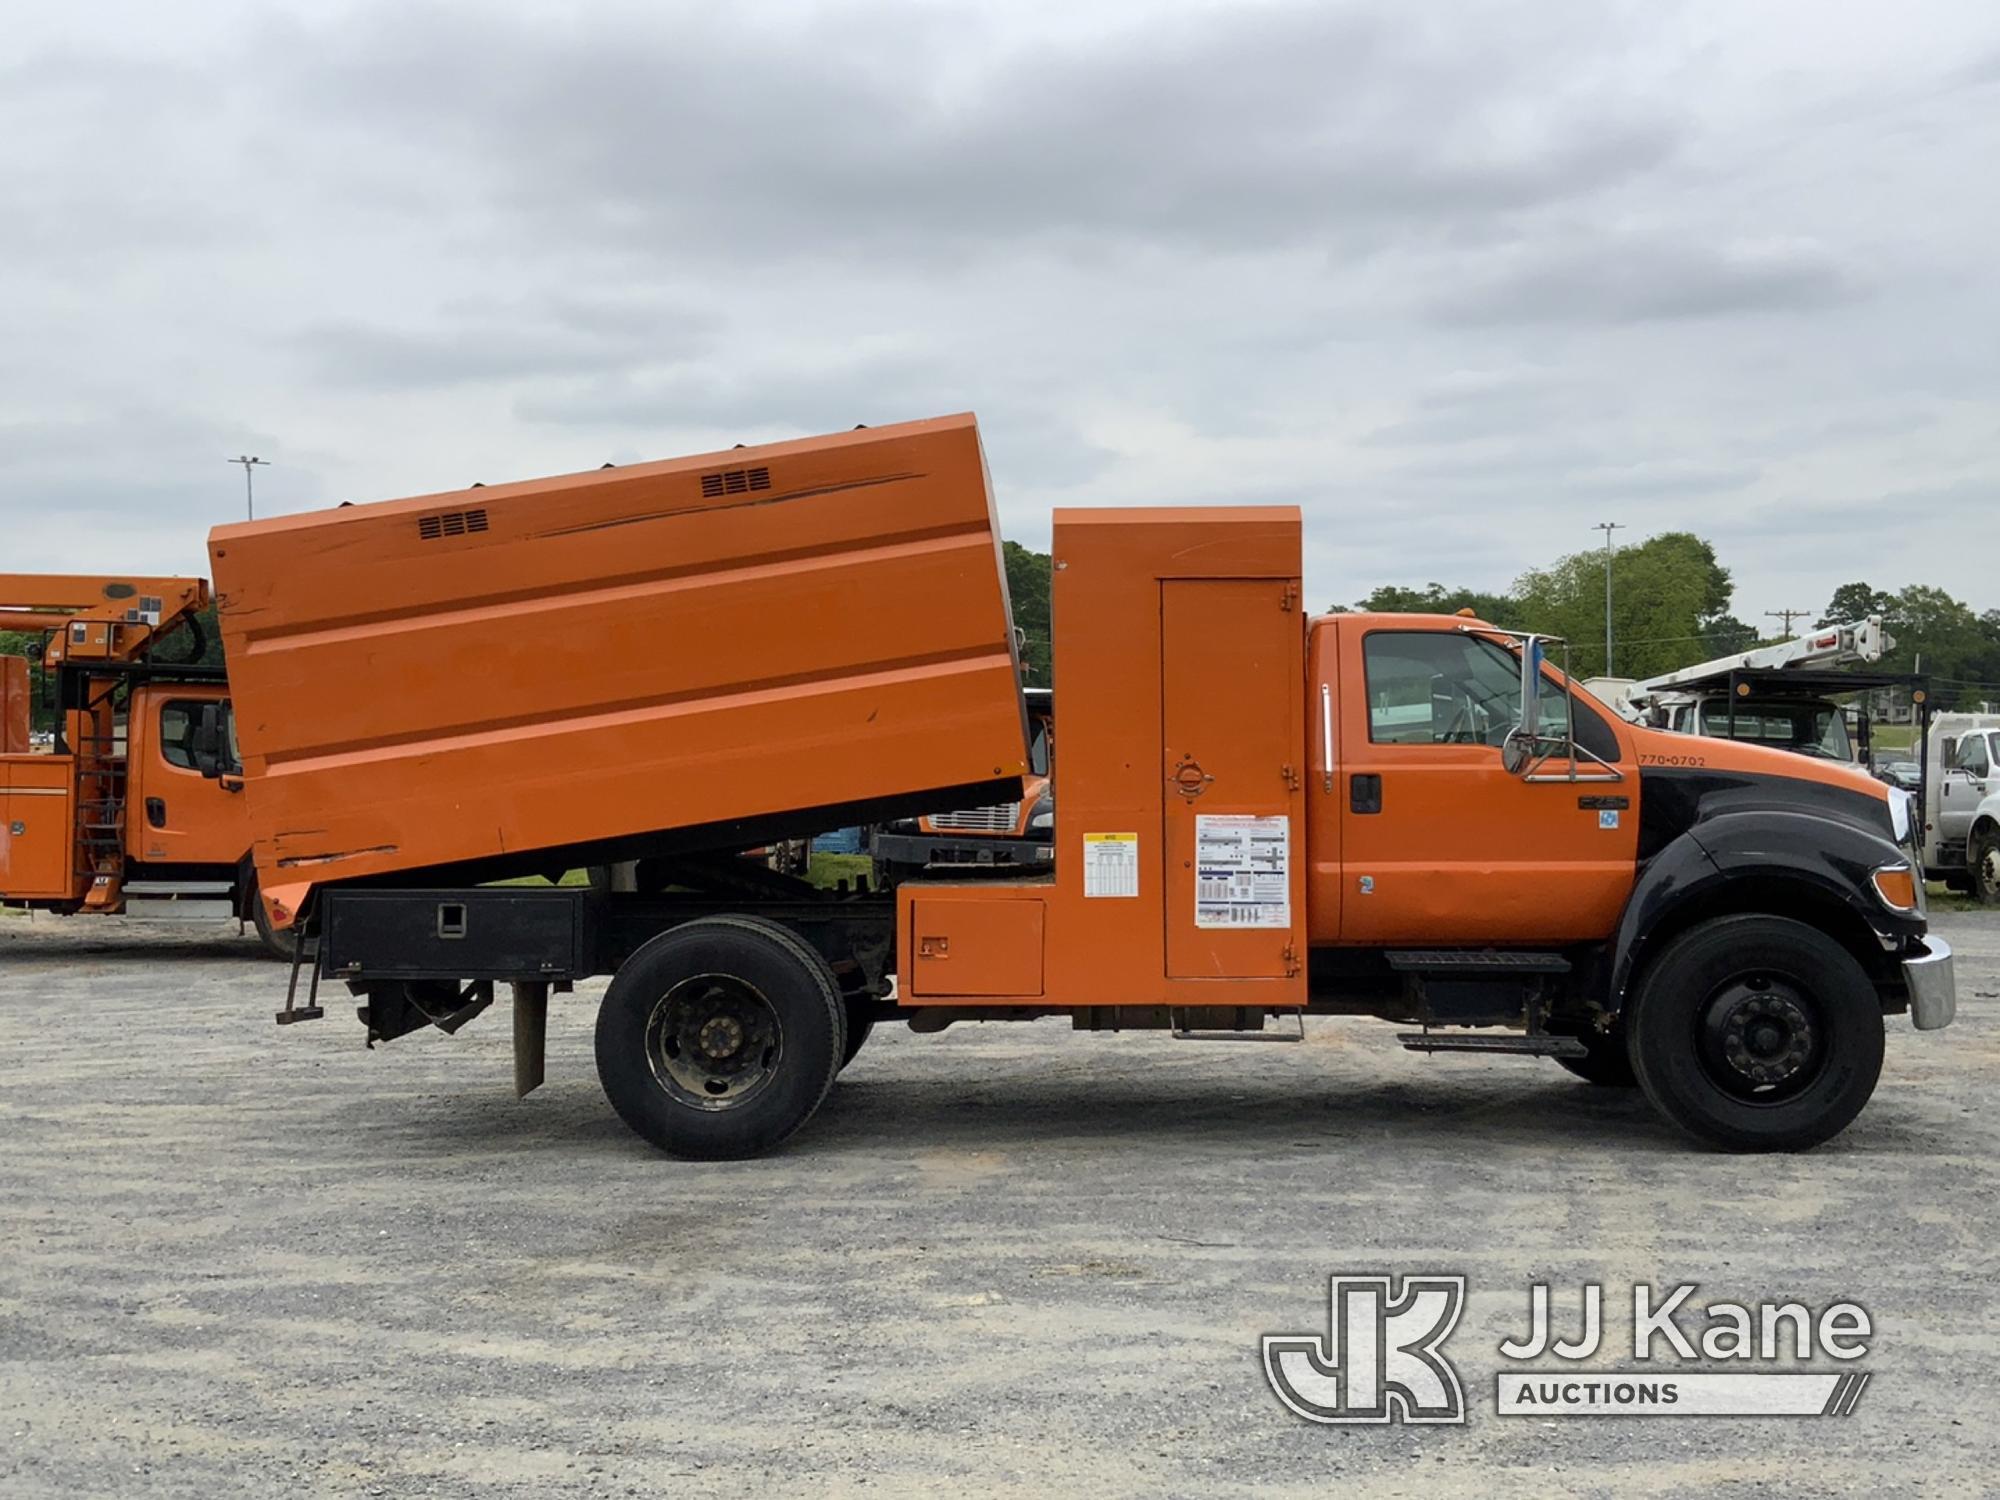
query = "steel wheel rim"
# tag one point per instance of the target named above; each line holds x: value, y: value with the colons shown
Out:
x: 1761, y: 1038
x: 713, y: 1042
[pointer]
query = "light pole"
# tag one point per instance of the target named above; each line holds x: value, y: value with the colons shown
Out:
x: 249, y: 499
x: 1607, y: 527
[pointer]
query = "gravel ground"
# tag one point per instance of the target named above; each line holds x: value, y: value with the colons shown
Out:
x: 235, y: 1260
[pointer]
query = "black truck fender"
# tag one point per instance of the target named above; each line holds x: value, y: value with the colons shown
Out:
x: 1789, y: 864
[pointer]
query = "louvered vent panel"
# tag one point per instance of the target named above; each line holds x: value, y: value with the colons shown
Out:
x: 734, y: 482
x: 450, y: 523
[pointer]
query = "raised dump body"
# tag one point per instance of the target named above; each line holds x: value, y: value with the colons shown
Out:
x: 701, y: 653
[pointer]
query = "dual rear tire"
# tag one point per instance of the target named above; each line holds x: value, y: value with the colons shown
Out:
x: 718, y: 1039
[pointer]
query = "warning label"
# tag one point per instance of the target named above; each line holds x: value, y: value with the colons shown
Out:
x: 1111, y: 864
x: 1242, y: 872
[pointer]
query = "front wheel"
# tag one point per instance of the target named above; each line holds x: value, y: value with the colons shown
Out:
x: 1986, y: 867
x: 720, y: 1038
x: 1756, y: 1033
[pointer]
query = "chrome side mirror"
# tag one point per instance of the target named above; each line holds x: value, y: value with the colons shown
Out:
x: 1518, y: 751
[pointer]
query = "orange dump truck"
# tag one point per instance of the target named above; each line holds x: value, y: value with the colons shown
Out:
x: 1258, y: 815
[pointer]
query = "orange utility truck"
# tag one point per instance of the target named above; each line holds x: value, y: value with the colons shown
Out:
x: 139, y: 808
x: 1260, y: 816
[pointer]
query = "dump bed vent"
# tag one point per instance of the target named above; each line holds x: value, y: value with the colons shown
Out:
x: 450, y: 523
x: 735, y: 482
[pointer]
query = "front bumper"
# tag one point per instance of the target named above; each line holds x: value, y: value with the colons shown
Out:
x: 1933, y: 988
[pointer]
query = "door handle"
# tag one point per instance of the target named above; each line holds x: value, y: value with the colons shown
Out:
x: 1364, y: 793
x: 156, y: 812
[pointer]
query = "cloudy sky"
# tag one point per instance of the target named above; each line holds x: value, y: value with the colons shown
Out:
x: 1460, y: 279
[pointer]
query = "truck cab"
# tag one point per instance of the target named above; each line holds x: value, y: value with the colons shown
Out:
x: 137, y: 807
x: 1962, y: 793
x: 1804, y: 725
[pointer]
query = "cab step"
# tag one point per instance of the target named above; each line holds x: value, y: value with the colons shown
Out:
x: 1520, y: 1046
x: 179, y: 908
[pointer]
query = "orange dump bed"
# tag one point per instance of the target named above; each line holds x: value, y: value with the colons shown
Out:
x: 740, y: 643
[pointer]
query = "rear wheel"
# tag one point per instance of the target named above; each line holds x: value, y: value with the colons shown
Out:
x: 1986, y: 866
x: 720, y: 1038
x: 1756, y: 1033
x: 1607, y: 1062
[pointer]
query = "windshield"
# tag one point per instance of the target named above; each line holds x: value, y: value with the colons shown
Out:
x: 1815, y: 729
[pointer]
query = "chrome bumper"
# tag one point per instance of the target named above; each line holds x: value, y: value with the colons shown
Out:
x: 1933, y: 990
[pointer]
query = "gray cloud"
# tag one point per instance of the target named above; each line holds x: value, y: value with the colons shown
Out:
x: 1457, y: 289
x: 487, y: 341
x: 1631, y: 278
x: 865, y: 133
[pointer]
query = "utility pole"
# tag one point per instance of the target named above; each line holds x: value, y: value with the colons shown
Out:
x: 1607, y: 527
x: 249, y: 499
x: 1787, y: 615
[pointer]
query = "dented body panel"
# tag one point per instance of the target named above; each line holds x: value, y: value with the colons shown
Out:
x: 564, y: 664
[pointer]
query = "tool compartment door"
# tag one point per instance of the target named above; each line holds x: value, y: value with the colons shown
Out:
x: 1231, y: 677
x: 36, y: 836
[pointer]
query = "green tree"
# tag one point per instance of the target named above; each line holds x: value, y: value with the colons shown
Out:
x: 1436, y: 599
x: 1670, y: 597
x: 1855, y: 601
x: 1028, y: 590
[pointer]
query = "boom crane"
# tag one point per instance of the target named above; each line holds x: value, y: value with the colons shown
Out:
x: 1863, y: 643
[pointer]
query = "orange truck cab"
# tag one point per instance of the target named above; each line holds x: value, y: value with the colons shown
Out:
x: 136, y: 808
x: 1261, y: 816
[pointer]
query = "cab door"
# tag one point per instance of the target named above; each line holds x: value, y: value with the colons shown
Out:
x: 1440, y: 845
x: 174, y: 814
x: 1967, y: 778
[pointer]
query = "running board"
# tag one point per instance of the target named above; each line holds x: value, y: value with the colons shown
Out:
x: 178, y: 908
x: 1182, y: 1034
x: 1520, y: 1046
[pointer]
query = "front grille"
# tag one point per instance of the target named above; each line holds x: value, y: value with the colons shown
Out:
x: 1000, y: 817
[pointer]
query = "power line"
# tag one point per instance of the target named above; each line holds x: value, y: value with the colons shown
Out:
x: 1787, y: 615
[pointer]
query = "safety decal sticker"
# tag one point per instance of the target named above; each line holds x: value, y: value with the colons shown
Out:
x: 1110, y: 864
x: 1242, y: 871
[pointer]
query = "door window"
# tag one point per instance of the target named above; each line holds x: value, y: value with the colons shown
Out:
x: 177, y: 723
x: 179, y: 718
x: 1973, y: 757
x: 1431, y: 687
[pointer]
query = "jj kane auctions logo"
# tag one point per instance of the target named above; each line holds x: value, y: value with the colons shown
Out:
x: 1381, y: 1358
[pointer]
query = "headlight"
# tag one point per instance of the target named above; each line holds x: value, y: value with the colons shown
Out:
x: 1043, y: 818
x: 1900, y: 819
